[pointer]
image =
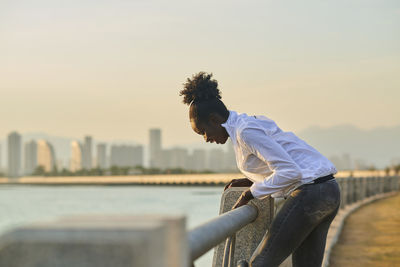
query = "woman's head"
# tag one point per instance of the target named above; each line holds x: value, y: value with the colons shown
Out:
x: 206, y: 110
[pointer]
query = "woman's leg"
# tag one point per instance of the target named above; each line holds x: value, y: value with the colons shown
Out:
x: 288, y: 229
x: 311, y: 251
x: 303, y: 211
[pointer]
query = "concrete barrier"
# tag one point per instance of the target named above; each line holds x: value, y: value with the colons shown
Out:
x: 105, y: 241
x: 247, y: 238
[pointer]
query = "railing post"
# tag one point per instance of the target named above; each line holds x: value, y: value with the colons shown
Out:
x: 229, y: 252
x: 370, y: 186
x: 376, y: 182
x: 349, y: 183
x: 343, y: 192
x: 363, y: 188
x: 248, y: 238
x: 355, y: 189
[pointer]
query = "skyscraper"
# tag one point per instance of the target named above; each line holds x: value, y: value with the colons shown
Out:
x: 179, y: 158
x: 198, y: 160
x: 14, y: 154
x: 155, y: 148
x: 126, y: 156
x: 87, y: 153
x: 45, y: 155
x: 230, y: 158
x: 76, y: 156
x: 216, y: 159
x: 30, y: 156
x: 101, y: 156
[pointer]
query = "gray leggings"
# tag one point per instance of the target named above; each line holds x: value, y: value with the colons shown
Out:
x: 300, y: 227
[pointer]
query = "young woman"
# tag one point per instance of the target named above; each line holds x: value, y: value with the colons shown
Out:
x: 276, y: 163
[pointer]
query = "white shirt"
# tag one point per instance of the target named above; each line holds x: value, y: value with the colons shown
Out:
x: 276, y: 161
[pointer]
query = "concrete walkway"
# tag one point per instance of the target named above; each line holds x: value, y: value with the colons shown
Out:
x: 370, y: 236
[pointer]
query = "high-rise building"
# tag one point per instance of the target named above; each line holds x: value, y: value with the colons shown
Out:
x: 216, y: 159
x: 87, y: 153
x: 126, y: 156
x: 198, y: 160
x: 30, y: 155
x: 164, y: 159
x: 102, y: 156
x: 155, y: 148
x: 60, y: 165
x: 230, y: 158
x: 14, y: 154
x: 75, y: 163
x: 179, y: 158
x: 45, y: 155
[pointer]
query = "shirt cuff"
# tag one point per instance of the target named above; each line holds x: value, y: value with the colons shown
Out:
x: 255, y: 192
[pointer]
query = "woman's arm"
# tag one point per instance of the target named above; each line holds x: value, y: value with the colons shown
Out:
x: 242, y: 182
x: 284, y: 170
x: 244, y: 198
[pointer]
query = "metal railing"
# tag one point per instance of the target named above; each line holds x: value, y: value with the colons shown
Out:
x: 208, y: 235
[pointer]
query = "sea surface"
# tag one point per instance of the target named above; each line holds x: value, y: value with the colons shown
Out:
x: 21, y: 204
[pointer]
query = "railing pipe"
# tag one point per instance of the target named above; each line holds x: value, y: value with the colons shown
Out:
x: 229, y: 251
x: 208, y: 235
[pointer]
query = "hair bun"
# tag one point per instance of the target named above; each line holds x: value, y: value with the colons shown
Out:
x: 200, y: 88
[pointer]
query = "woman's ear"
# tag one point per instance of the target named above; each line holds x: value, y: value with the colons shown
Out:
x: 213, y: 118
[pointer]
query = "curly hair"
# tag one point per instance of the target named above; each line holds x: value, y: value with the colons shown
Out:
x: 201, y: 93
x: 200, y: 88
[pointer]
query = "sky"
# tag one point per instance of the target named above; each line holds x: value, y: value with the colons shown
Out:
x: 114, y: 69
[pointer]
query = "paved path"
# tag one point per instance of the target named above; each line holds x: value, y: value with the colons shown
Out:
x: 370, y: 236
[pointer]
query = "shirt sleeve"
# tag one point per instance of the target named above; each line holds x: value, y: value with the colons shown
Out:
x: 285, y: 171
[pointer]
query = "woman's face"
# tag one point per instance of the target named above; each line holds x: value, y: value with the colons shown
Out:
x: 211, y: 131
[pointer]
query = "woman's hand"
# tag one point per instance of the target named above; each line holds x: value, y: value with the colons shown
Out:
x: 242, y: 182
x: 244, y: 198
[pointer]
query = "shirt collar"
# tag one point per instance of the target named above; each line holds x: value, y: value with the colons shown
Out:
x: 229, y: 125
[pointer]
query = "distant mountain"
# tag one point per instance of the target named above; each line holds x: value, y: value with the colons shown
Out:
x: 377, y: 146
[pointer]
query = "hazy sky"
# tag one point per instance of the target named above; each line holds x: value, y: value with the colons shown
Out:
x: 113, y: 69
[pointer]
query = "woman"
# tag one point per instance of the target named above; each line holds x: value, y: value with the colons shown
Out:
x: 277, y: 164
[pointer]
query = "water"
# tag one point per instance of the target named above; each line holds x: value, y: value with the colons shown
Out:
x: 24, y: 204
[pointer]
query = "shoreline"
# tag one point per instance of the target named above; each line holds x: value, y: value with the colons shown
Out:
x: 213, y: 179
x: 216, y: 179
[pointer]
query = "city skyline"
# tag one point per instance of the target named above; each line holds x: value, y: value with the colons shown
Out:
x: 347, y: 146
x: 88, y: 154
